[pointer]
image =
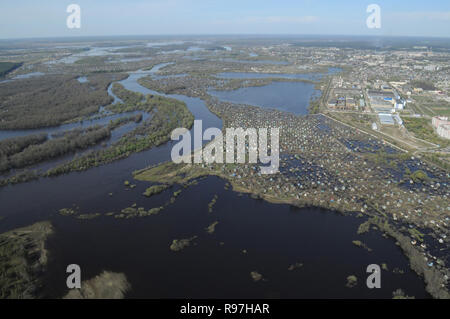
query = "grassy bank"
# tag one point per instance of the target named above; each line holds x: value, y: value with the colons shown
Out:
x: 23, y: 259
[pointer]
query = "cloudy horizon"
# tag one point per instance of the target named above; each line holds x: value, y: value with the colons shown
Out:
x: 24, y: 19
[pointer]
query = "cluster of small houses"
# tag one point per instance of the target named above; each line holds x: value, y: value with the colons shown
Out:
x: 317, y: 168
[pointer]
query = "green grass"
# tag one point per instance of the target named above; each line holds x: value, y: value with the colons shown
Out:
x: 170, y: 114
x: 22, y: 259
x: 92, y: 60
x: 211, y: 228
x: 170, y: 173
x: 416, y: 234
x: 155, y: 189
x: 422, y: 129
x: 430, y: 106
x: 6, y: 67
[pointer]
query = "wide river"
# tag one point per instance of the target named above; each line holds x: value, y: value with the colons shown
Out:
x: 273, y: 236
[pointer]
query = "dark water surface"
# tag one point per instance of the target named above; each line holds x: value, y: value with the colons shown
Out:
x: 293, y: 97
x: 275, y: 236
x: 45, y: 195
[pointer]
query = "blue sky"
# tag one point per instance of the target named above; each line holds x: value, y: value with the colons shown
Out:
x: 47, y: 18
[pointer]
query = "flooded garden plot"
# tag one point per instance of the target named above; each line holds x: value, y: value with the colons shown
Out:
x: 331, y: 182
x: 330, y: 165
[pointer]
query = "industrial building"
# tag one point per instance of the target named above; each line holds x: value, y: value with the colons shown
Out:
x: 442, y: 126
x: 386, y: 118
x: 444, y: 131
x: 346, y: 99
x: 381, y: 99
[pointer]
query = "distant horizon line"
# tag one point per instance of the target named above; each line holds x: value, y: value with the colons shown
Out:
x: 261, y: 35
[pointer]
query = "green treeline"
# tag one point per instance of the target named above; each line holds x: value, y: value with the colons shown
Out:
x: 20, y: 152
x: 426, y: 85
x: 170, y: 114
x: 132, y: 101
x: 23, y: 259
x: 6, y: 67
x: 422, y: 129
x: 123, y: 120
x: 128, y: 97
x: 15, y: 145
x: 167, y: 114
x: 155, y: 189
x: 37, y: 153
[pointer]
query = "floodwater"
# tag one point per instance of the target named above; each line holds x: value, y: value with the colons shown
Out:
x: 23, y: 76
x: 293, y: 97
x: 4, y: 134
x: 83, y: 79
x: 274, y: 236
x: 215, y: 266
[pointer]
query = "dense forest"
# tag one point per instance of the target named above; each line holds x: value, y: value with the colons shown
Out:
x: 53, y: 100
x: 128, y: 97
x: 30, y: 151
x: 170, y: 114
x: 6, y: 67
x: 132, y: 101
x: 426, y: 85
x: 21, y: 152
x: 15, y: 145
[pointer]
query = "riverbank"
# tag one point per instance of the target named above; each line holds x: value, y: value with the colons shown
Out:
x: 23, y: 258
x: 170, y: 173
